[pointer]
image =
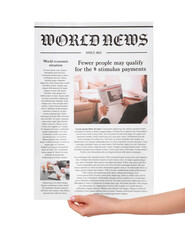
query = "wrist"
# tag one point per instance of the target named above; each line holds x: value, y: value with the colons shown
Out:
x: 103, y: 114
x: 117, y: 205
x: 121, y: 206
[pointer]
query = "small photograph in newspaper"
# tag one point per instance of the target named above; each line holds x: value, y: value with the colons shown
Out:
x: 59, y: 170
x: 110, y: 95
x: 110, y: 99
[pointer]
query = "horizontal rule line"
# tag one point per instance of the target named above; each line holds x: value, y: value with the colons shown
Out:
x: 61, y: 52
x: 126, y: 52
x: 93, y: 26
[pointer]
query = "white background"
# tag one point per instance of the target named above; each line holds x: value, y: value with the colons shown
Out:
x: 21, y: 216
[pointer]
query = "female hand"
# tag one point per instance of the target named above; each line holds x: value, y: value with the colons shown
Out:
x: 158, y: 204
x: 90, y: 205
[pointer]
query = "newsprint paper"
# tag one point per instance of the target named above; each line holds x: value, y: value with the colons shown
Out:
x: 93, y: 109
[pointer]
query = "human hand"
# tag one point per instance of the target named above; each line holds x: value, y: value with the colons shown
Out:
x: 62, y: 170
x: 58, y: 176
x: 158, y: 204
x: 103, y: 110
x: 91, y: 205
x: 125, y: 102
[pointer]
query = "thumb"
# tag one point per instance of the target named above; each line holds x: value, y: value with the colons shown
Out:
x: 79, y: 198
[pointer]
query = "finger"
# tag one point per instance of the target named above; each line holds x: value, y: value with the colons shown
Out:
x: 73, y: 206
x: 77, y: 208
x: 79, y: 198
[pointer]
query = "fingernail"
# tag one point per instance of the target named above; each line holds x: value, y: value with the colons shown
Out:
x: 72, y: 198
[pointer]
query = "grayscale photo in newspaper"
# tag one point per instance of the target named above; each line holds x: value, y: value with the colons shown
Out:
x: 93, y: 109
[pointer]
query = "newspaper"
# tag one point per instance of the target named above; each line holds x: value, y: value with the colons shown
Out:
x: 110, y: 95
x: 93, y: 109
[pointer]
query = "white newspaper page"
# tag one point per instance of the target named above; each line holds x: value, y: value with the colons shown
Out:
x: 93, y: 109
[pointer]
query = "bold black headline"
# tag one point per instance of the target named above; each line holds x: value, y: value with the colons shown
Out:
x: 94, y: 40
